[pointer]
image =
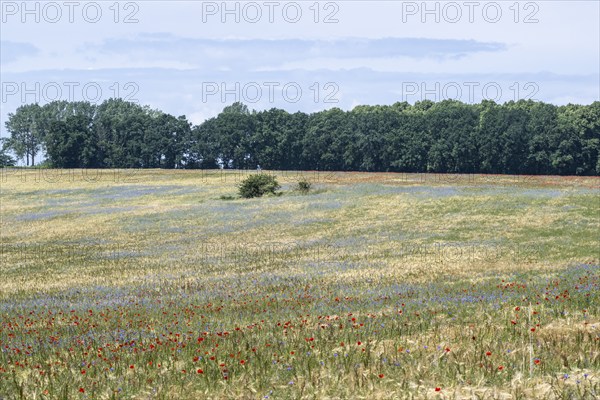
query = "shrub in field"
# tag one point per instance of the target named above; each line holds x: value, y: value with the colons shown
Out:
x: 303, y: 187
x: 258, y: 185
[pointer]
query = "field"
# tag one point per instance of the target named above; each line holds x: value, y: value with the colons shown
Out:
x: 159, y: 285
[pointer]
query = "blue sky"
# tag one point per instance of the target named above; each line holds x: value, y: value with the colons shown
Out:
x: 193, y: 58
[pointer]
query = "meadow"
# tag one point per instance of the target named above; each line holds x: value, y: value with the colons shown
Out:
x: 160, y: 284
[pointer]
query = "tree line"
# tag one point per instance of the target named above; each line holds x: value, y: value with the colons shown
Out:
x: 523, y: 137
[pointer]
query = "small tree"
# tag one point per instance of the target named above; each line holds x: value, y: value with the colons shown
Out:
x: 258, y: 185
x: 304, y: 187
x: 5, y: 159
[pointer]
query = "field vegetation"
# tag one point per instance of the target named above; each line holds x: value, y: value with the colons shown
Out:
x: 163, y: 284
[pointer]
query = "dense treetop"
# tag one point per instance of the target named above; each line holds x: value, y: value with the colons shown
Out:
x: 524, y: 137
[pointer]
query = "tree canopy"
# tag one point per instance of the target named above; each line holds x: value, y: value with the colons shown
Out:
x: 523, y: 137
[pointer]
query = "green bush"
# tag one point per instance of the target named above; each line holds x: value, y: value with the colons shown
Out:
x: 303, y: 187
x: 258, y: 185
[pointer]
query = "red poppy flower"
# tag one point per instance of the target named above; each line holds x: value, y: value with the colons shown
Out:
x: 437, y: 389
x: 500, y: 368
x: 131, y: 366
x: 81, y: 390
x: 489, y: 353
x: 200, y: 371
x: 381, y: 376
x: 359, y: 343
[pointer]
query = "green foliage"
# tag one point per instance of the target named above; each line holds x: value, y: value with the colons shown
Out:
x: 5, y: 159
x: 71, y: 144
x: 523, y: 137
x: 303, y: 187
x: 27, y: 127
x: 258, y: 185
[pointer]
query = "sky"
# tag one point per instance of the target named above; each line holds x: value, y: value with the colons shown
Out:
x: 194, y: 58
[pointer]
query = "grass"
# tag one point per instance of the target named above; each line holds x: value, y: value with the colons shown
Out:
x: 164, y: 284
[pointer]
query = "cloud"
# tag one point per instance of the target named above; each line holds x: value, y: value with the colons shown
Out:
x: 12, y: 51
x: 229, y: 53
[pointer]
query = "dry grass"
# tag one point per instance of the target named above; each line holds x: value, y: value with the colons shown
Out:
x: 455, y: 253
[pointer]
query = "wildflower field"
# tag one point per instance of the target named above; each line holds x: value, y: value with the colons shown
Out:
x: 151, y: 284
